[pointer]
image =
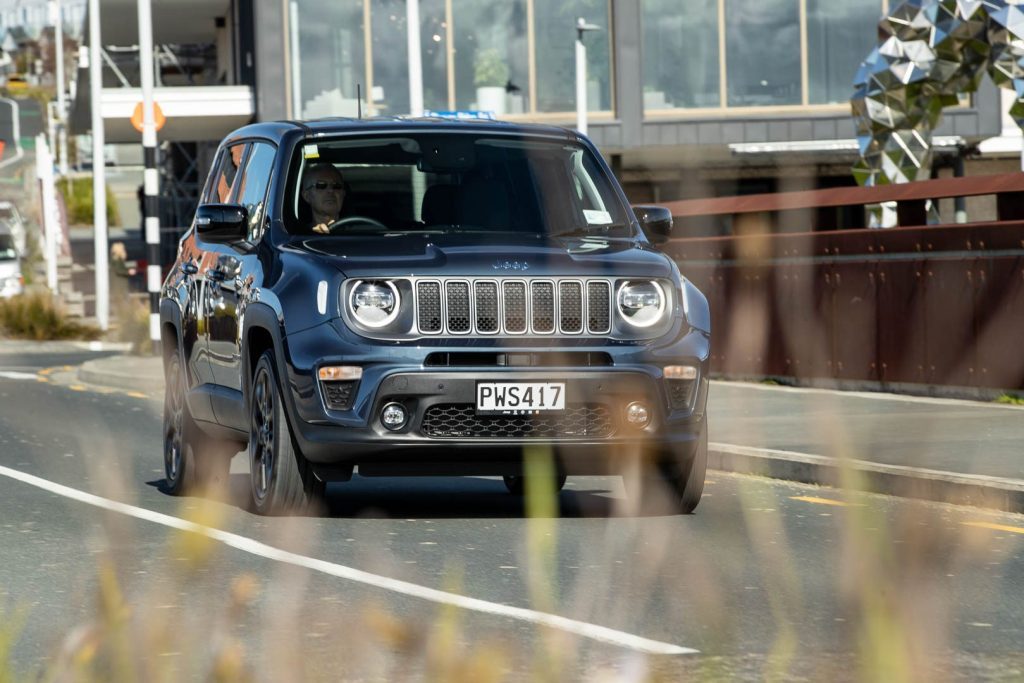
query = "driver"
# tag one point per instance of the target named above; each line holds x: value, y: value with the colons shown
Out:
x: 323, y: 188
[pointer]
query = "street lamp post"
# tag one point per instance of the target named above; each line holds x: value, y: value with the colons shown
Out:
x: 62, y: 132
x: 581, y: 74
x: 99, y: 177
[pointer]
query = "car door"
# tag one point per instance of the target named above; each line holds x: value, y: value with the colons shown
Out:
x: 236, y: 274
x: 221, y: 188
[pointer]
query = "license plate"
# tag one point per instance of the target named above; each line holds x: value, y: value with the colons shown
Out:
x: 519, y: 398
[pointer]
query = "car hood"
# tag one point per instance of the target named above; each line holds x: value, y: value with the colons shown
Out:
x: 483, y: 255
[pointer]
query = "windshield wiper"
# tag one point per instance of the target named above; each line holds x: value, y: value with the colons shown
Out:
x: 591, y: 230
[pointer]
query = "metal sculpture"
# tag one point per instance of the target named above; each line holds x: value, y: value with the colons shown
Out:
x: 929, y: 52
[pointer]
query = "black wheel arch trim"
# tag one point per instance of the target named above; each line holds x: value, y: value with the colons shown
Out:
x: 170, y: 314
x: 260, y: 316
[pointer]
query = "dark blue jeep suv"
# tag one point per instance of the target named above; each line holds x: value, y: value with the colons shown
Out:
x: 428, y: 297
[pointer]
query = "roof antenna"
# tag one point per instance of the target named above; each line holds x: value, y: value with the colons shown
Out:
x: 359, y: 99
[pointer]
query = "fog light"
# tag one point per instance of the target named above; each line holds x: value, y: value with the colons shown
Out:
x: 680, y: 372
x: 393, y: 416
x: 637, y: 414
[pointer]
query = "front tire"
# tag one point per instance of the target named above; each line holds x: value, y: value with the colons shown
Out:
x: 282, y: 480
x: 671, y: 485
x: 193, y: 463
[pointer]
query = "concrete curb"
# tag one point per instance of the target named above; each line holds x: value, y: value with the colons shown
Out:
x: 20, y: 346
x: 995, y: 493
x: 101, y: 373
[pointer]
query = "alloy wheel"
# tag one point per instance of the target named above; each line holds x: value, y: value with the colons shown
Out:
x: 261, y: 436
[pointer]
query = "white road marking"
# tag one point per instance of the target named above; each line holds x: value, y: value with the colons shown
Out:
x: 253, y: 547
x: 10, y: 374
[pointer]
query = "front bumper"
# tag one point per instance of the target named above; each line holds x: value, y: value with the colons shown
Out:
x: 443, y: 433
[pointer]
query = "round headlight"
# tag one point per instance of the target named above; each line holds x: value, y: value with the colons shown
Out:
x: 641, y: 303
x: 374, y: 303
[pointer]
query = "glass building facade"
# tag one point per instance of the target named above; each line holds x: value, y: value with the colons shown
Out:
x: 743, y: 54
x: 697, y: 54
x: 524, y: 47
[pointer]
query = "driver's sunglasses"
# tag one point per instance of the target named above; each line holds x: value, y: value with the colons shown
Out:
x: 323, y: 185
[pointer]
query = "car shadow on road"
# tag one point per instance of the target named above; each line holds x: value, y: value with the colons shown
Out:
x: 440, y: 498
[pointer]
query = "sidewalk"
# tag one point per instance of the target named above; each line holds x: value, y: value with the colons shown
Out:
x: 939, y: 449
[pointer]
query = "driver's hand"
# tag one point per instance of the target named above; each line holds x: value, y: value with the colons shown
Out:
x: 322, y: 229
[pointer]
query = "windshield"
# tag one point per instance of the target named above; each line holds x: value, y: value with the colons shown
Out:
x: 7, y: 250
x: 451, y: 183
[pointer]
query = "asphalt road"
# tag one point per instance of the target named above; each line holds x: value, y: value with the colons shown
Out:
x: 769, y: 578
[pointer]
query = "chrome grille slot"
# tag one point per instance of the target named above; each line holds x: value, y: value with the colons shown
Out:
x: 570, y: 307
x: 460, y: 318
x: 599, y: 307
x: 543, y: 307
x: 513, y: 306
x: 428, y: 307
x: 487, y: 321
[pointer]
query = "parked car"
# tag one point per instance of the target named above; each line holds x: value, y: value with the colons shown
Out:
x: 10, y: 219
x: 11, y: 281
x: 485, y: 291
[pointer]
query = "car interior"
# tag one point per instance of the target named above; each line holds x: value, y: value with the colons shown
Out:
x: 447, y: 183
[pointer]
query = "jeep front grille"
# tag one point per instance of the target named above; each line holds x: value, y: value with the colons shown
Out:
x: 513, y: 307
x: 460, y: 421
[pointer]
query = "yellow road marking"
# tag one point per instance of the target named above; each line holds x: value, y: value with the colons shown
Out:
x: 135, y: 394
x: 48, y: 371
x: 823, y: 501
x: 42, y: 379
x: 995, y: 527
x: 76, y: 387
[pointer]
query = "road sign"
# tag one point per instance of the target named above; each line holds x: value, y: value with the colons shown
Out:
x: 158, y: 117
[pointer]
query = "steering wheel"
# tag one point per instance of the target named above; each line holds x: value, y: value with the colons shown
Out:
x: 347, y: 220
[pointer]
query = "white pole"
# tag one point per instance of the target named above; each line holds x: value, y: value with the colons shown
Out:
x: 58, y: 28
x: 293, y: 42
x: 581, y: 80
x: 150, y: 177
x: 44, y: 171
x: 99, y: 178
x: 412, y: 14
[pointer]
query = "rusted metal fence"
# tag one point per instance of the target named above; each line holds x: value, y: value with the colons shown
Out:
x: 937, y: 305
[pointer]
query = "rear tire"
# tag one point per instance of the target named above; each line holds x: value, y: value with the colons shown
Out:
x: 282, y: 479
x: 193, y: 462
x: 516, y: 484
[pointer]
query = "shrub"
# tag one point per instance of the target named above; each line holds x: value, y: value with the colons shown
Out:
x: 77, y: 194
x: 35, y: 317
x: 489, y: 69
x: 132, y: 315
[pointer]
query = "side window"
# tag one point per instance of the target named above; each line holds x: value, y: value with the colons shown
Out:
x: 222, y: 187
x: 252, y: 191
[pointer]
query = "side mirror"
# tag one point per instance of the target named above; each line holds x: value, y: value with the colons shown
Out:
x: 221, y: 223
x: 656, y: 222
